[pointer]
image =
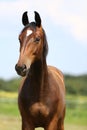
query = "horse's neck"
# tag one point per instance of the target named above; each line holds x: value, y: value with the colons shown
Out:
x: 35, y: 84
x: 38, y: 73
x: 36, y: 80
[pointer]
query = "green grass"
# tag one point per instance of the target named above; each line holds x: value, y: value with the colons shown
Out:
x: 76, y: 116
x: 9, y: 108
x: 8, y: 104
x: 76, y: 112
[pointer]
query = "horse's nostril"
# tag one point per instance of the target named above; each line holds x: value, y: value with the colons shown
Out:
x: 21, y: 70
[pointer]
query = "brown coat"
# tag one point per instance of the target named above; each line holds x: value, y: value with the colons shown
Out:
x: 41, y: 97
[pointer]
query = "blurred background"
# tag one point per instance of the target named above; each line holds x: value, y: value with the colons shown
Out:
x: 65, y: 23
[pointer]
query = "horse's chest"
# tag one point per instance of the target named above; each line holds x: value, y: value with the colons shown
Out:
x: 39, y: 109
x: 33, y: 107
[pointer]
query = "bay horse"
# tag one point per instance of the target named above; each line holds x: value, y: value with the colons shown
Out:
x: 41, y: 98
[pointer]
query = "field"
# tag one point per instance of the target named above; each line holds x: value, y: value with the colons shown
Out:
x: 76, y: 114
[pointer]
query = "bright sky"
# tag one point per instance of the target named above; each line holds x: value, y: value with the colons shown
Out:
x: 65, y: 23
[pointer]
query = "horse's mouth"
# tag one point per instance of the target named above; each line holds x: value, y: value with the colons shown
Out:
x: 22, y: 73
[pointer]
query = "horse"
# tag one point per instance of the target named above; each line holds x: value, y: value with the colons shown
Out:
x: 41, y: 96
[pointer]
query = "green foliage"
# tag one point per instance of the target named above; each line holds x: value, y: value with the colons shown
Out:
x: 10, y: 85
x: 76, y: 84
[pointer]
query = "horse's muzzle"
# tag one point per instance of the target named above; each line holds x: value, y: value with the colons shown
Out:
x: 21, y: 70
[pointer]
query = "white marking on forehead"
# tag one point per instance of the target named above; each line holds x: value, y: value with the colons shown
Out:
x: 29, y: 32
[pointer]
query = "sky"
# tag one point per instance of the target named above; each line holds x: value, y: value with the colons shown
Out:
x: 65, y: 24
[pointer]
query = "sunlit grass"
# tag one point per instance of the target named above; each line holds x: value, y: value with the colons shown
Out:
x: 10, y: 123
x: 4, y: 94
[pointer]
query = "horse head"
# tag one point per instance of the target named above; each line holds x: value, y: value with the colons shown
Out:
x: 32, y: 43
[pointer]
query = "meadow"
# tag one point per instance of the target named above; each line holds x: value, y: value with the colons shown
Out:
x: 76, y: 112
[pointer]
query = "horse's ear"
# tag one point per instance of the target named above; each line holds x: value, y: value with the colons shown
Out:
x: 37, y: 19
x: 25, y: 20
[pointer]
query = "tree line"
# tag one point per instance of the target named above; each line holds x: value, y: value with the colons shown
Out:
x: 74, y: 84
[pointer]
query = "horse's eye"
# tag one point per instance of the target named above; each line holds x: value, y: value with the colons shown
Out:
x: 37, y: 39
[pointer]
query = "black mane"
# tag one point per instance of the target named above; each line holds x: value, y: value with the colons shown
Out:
x: 32, y: 25
x: 45, y: 47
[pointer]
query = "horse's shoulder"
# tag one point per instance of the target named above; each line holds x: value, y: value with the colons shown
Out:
x: 54, y: 71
